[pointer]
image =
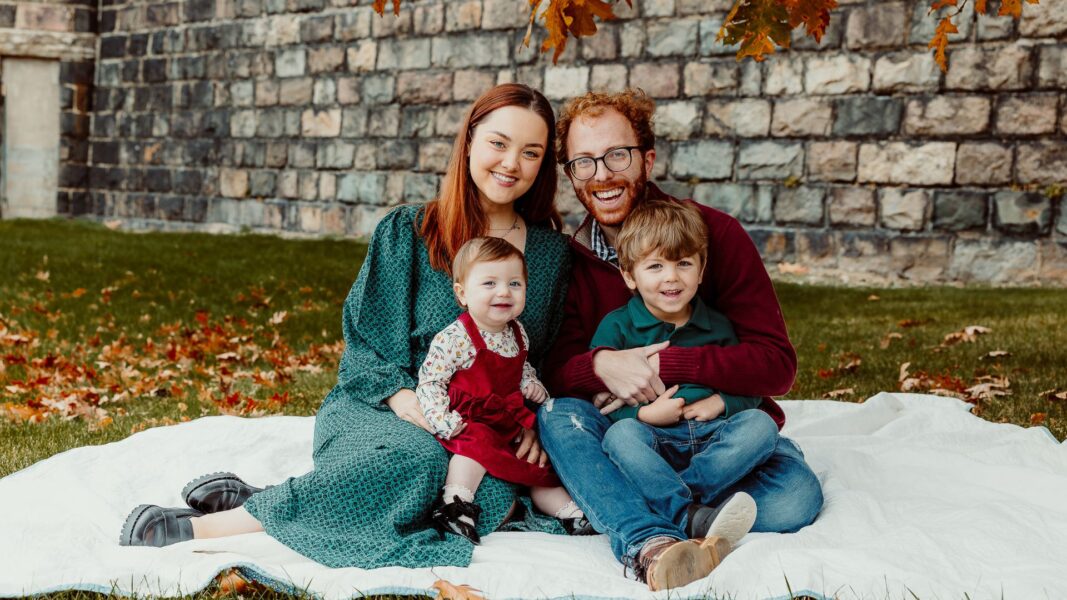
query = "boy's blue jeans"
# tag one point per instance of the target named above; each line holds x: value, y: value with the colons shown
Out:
x: 574, y: 434
x: 692, y: 461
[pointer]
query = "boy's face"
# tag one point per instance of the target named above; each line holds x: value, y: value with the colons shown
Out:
x: 493, y: 292
x: 666, y: 286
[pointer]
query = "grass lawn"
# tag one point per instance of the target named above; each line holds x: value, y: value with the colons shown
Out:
x: 105, y: 333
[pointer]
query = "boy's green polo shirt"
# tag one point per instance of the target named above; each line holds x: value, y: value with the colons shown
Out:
x: 632, y: 326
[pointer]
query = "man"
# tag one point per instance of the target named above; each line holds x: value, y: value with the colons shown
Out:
x: 615, y: 132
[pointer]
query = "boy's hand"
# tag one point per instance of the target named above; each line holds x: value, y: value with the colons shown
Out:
x: 607, y: 402
x: 665, y: 411
x: 708, y: 409
x: 535, y: 392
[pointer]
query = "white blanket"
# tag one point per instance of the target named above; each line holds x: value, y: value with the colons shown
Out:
x: 921, y: 498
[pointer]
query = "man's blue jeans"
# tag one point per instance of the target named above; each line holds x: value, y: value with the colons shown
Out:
x: 692, y: 461
x: 786, y: 491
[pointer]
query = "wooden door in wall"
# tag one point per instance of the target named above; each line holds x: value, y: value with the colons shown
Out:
x: 29, y: 165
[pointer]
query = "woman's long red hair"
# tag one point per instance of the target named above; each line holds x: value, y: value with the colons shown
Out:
x: 456, y: 215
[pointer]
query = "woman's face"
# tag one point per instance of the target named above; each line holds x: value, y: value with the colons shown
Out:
x: 506, y: 151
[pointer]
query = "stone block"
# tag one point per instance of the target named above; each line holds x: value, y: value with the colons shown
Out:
x: 325, y: 60
x: 947, y: 115
x: 366, y: 158
x: 904, y: 210
x: 602, y: 46
x: 471, y: 50
x: 316, y: 29
x: 362, y: 188
x: 751, y: 79
x: 469, y: 85
x: 863, y: 252
x: 389, y: 25
x: 659, y: 80
x: 1047, y: 19
x: 335, y: 155
x: 422, y: 87
x: 296, y: 91
x: 919, y: 258
x: 924, y: 24
x: 433, y: 156
x: 899, y: 162
x: 609, y: 79
x: 852, y: 206
x: 799, y: 205
x: 983, y: 164
x: 773, y: 245
x: 674, y: 37
x: 991, y: 27
x: 770, y: 160
x: 326, y: 123
x: 988, y: 261
x: 302, y: 155
x: 1021, y: 213
x: 562, y: 83
x: 420, y: 187
x: 876, y: 26
x: 785, y: 75
x: 709, y: 33
x: 868, y: 115
x: 449, y: 119
x: 354, y: 24
x: 384, y: 122
x: 832, y: 161
x: 703, y: 160
x: 815, y: 248
x: 741, y: 118
x: 657, y: 8
x: 45, y: 17
x: 354, y: 122
x: 960, y: 211
x: 632, y: 39
x: 841, y: 74
x: 714, y: 78
x: 738, y: 200
x: 1053, y: 261
x: 262, y: 184
x: 429, y: 19
x: 267, y: 92
x: 362, y: 57
x: 463, y: 15
x: 378, y: 89
x: 678, y: 120
x: 309, y: 186
x: 290, y: 63
x: 396, y: 155
x: 1007, y: 68
x: 348, y: 90
x: 1027, y: 115
x: 403, y: 54
x: 906, y: 72
x: 505, y: 14
x: 233, y: 183
x: 1041, y: 162
x: 801, y: 117
x: 1052, y: 67
x: 243, y: 124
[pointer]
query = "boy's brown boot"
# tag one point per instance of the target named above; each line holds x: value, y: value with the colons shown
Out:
x: 667, y: 563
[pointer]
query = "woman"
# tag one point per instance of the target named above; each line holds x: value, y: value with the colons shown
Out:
x: 368, y: 500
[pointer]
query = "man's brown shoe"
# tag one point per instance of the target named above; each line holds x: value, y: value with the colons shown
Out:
x: 668, y: 563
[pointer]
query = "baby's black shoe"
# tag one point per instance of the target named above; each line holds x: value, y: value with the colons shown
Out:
x: 578, y: 526
x: 459, y: 517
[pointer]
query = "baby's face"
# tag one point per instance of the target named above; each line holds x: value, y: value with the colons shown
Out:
x: 667, y: 286
x: 494, y: 292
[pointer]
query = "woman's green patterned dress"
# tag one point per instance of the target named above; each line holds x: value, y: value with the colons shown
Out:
x: 368, y: 500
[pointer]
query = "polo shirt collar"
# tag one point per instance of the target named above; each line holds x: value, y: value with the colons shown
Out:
x: 643, y: 319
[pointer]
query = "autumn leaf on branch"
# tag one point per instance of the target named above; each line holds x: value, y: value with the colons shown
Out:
x: 379, y: 7
x: 757, y: 25
x: 574, y: 17
x: 940, y: 41
x: 1013, y: 8
x: 813, y: 14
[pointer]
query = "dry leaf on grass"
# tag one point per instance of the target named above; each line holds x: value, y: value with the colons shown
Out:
x: 873, y: 298
x: 1038, y: 419
x: 888, y: 339
x: 839, y: 393
x: 1053, y: 395
x: 792, y: 269
x: 989, y: 388
x: 967, y: 335
x: 231, y: 584
x: 451, y: 591
x: 996, y: 354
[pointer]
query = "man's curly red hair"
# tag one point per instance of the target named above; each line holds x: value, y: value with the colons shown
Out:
x: 633, y: 103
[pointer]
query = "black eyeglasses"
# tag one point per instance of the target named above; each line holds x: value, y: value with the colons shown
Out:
x: 616, y: 159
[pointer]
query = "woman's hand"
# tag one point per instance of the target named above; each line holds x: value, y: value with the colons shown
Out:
x: 630, y: 374
x: 530, y: 448
x: 406, y: 406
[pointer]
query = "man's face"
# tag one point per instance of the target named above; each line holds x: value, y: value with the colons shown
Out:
x: 608, y: 195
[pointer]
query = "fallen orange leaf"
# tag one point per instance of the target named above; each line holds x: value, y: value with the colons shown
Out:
x: 450, y: 591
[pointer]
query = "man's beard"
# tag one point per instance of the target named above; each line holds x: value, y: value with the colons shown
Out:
x: 633, y: 190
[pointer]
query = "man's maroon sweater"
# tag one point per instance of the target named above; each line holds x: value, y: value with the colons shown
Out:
x: 736, y: 283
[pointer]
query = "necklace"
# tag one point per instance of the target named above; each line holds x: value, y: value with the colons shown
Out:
x: 514, y: 225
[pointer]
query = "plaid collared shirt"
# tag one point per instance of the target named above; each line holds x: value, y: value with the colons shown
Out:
x: 600, y: 246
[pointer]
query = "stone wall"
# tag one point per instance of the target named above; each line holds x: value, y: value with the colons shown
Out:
x: 855, y: 158
x: 64, y: 31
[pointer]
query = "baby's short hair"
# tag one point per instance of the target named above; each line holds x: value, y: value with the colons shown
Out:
x: 483, y: 249
x: 676, y: 229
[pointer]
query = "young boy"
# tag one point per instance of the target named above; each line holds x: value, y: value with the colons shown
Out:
x: 685, y: 450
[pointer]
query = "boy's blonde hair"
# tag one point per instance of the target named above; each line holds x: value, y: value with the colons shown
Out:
x: 676, y: 229
x: 483, y: 249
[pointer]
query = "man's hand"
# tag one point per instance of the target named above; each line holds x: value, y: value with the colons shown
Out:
x: 535, y: 392
x: 628, y: 373
x: 530, y: 448
x: 664, y: 411
x: 708, y: 409
x: 607, y: 402
x: 406, y: 406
